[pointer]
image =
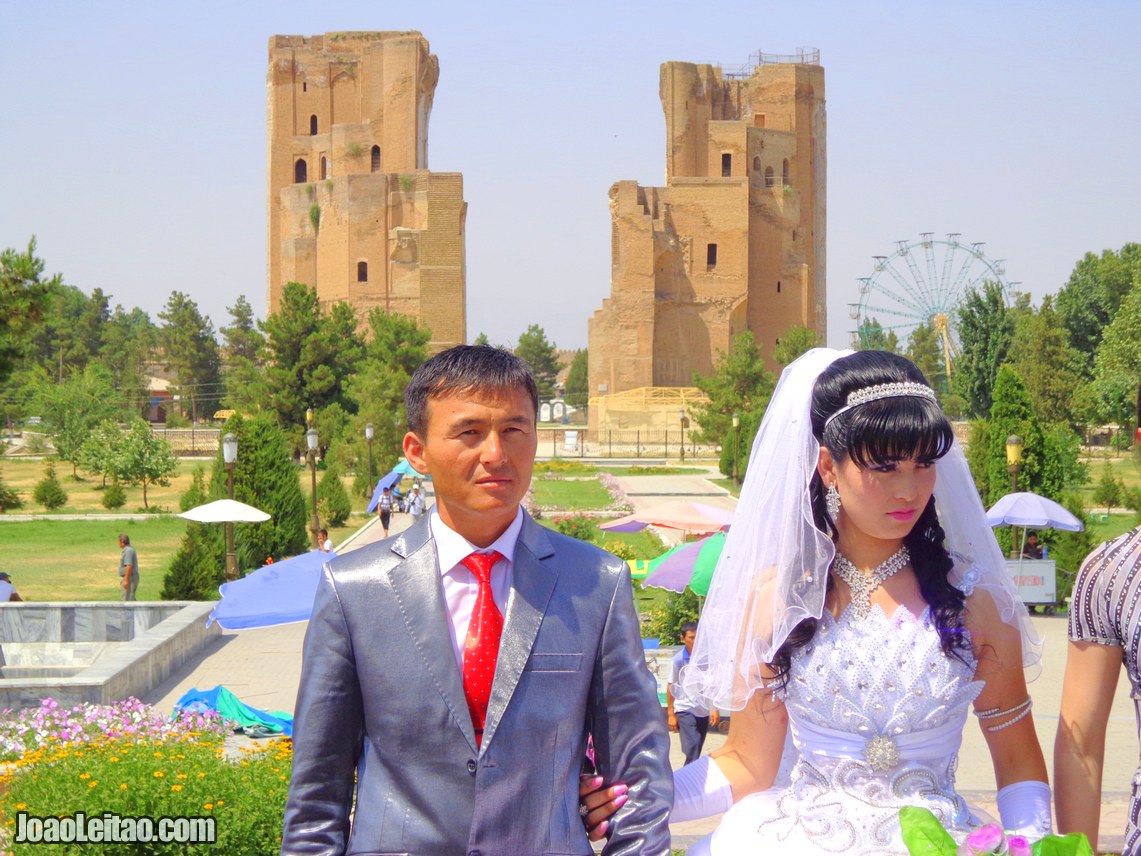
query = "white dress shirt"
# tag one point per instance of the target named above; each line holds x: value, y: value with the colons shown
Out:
x: 460, y: 584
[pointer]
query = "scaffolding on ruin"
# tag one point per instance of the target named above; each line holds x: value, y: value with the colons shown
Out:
x: 803, y: 56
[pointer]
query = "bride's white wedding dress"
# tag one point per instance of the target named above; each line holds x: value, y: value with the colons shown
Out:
x: 876, y: 711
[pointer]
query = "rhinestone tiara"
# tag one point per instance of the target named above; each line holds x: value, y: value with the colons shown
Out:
x: 884, y: 390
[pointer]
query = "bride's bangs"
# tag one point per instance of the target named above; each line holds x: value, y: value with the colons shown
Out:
x: 896, y: 429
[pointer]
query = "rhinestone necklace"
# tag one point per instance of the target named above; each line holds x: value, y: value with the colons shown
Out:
x: 862, y: 585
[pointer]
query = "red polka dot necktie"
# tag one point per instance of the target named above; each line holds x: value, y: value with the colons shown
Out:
x: 481, y: 648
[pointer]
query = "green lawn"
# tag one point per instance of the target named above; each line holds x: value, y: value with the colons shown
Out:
x: 576, y: 495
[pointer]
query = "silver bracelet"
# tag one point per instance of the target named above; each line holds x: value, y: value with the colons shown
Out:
x: 1023, y: 710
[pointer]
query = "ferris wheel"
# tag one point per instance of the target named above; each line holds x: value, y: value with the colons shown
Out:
x: 923, y: 282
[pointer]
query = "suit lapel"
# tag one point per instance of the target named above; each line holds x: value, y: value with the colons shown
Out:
x: 420, y: 595
x: 533, y: 580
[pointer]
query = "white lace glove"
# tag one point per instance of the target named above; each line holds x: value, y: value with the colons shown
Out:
x: 700, y: 790
x: 1024, y: 809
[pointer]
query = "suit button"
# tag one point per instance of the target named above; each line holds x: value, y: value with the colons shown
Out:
x: 474, y: 853
x: 471, y: 768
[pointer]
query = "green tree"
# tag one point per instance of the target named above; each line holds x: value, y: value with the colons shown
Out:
x: 145, y: 459
x: 1088, y: 302
x: 925, y: 349
x: 191, y: 353
x: 795, y: 341
x: 871, y: 336
x: 978, y: 452
x: 243, y: 372
x: 1049, y: 366
x: 481, y: 339
x: 1117, y: 367
x: 101, y: 452
x: 311, y: 356
x: 666, y: 621
x: 69, y: 334
x: 985, y: 332
x: 48, y: 491
x: 23, y: 294
x: 578, y: 384
x: 73, y: 407
x: 333, y: 504
x: 741, y: 384
x: 396, y: 346
x: 198, y: 565
x: 1013, y: 413
x: 265, y: 477
x: 1109, y: 491
x: 541, y: 356
x: 1069, y: 549
x: 129, y: 340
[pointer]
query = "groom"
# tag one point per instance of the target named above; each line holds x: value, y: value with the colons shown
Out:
x: 456, y: 670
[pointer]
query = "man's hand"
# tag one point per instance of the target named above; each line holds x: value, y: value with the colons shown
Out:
x: 600, y: 803
x: 714, y: 718
x: 671, y: 721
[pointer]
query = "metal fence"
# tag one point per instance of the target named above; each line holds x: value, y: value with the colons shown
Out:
x: 580, y: 442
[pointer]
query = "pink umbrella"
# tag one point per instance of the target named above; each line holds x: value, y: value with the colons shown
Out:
x: 687, y: 516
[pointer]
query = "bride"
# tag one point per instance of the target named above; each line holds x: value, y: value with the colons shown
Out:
x: 860, y: 607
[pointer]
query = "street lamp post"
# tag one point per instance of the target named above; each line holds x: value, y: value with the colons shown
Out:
x: 684, y: 424
x: 311, y: 456
x: 369, y: 433
x: 230, y: 459
x: 736, y: 444
x: 1014, y: 463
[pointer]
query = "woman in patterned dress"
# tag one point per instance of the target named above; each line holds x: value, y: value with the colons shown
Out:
x: 1105, y: 633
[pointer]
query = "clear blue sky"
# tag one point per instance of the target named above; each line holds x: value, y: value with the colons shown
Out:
x: 133, y: 135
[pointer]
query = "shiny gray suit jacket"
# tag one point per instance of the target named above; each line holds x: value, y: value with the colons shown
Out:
x: 381, y: 695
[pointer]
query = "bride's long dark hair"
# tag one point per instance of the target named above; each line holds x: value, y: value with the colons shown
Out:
x: 882, y: 431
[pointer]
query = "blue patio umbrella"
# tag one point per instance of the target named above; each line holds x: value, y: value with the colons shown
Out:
x: 391, y: 479
x: 281, y: 593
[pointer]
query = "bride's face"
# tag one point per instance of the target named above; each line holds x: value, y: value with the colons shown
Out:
x: 883, y: 501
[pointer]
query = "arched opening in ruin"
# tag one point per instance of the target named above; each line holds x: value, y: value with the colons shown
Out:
x: 376, y: 158
x: 757, y: 163
x: 324, y: 168
x: 784, y: 173
x: 313, y: 125
x: 726, y: 165
x: 362, y: 271
x: 770, y: 177
x: 711, y: 256
x: 300, y: 172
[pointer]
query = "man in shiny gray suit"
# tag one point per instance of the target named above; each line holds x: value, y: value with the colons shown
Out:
x: 385, y: 691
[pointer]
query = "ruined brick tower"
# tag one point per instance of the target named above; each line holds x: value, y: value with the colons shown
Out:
x: 353, y: 210
x: 734, y: 241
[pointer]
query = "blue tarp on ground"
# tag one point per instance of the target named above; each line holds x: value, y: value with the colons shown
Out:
x: 255, y: 722
x: 281, y: 593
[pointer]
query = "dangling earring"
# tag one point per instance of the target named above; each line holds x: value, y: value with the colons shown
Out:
x: 832, y: 501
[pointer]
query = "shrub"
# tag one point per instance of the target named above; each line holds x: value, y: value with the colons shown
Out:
x: 333, y: 501
x: 49, y: 492
x: 114, y: 496
x: 666, y: 621
x: 182, y: 776
x: 9, y: 498
x: 577, y: 526
x: 620, y: 549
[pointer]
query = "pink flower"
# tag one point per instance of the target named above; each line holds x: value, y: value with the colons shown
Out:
x: 983, y: 841
x: 1019, y: 846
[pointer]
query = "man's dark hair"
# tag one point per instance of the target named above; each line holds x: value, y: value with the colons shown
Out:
x: 125, y: 540
x: 465, y: 368
x: 685, y: 628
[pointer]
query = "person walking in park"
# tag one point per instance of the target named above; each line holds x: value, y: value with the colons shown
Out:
x: 128, y: 569
x: 689, y: 719
x: 453, y: 674
x: 416, y: 504
x: 384, y: 509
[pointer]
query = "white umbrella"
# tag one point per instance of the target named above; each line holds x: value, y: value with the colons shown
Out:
x: 225, y: 511
x: 1030, y: 509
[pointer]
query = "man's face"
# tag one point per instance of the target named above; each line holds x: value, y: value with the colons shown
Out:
x: 479, y: 448
x: 687, y: 639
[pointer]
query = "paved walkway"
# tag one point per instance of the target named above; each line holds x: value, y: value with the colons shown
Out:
x: 262, y: 667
